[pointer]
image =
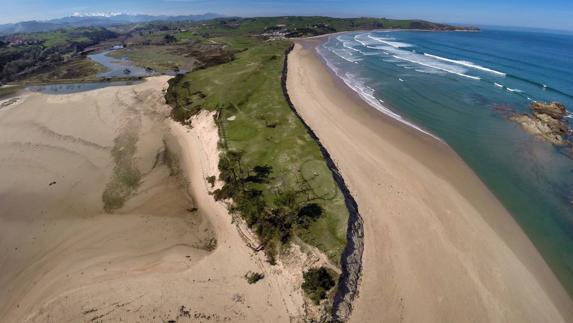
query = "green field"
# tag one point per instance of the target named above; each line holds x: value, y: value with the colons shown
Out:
x: 256, y: 121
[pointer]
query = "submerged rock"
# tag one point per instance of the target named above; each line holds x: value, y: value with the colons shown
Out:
x: 546, y: 122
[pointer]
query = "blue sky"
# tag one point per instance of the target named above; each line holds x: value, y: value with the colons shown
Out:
x: 554, y: 14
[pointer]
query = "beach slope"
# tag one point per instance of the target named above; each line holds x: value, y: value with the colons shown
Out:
x: 439, y: 246
x: 164, y: 250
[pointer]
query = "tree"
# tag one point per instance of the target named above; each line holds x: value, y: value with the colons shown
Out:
x: 317, y: 282
x: 169, y: 38
x: 187, y: 86
x: 261, y: 174
x: 308, y: 213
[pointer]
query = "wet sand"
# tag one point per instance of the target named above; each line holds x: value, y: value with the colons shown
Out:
x: 439, y: 246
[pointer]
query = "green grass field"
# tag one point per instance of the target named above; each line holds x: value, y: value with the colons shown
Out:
x: 256, y: 120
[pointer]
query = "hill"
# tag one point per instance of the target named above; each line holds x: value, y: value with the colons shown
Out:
x: 90, y: 20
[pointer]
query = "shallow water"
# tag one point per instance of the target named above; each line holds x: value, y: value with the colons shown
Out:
x: 459, y: 87
x: 116, y: 67
x: 75, y: 87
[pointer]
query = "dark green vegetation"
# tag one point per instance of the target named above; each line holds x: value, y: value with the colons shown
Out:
x: 253, y: 278
x: 8, y: 91
x: 317, y: 283
x: 22, y: 55
x: 272, y: 169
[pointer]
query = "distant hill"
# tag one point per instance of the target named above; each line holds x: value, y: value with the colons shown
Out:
x: 94, y: 21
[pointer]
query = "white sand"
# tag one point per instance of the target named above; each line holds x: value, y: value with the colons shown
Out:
x: 439, y: 247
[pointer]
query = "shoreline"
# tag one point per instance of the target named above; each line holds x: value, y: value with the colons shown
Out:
x: 373, y: 101
x: 351, y: 258
x: 482, y: 250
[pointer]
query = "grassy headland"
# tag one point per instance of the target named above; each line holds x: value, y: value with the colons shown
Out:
x: 274, y: 171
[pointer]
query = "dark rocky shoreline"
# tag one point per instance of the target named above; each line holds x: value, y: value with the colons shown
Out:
x: 351, y: 260
x: 547, y: 121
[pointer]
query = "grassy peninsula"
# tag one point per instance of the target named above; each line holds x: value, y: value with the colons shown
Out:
x: 273, y: 170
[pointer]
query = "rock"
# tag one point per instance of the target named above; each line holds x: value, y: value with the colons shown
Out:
x: 547, y: 122
x: 555, y: 110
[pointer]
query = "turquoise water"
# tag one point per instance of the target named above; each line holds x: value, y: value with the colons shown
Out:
x: 458, y: 87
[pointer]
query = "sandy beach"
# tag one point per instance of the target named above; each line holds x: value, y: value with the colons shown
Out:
x: 439, y: 246
x: 166, y: 251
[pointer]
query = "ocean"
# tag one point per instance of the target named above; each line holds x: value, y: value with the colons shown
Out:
x: 460, y: 87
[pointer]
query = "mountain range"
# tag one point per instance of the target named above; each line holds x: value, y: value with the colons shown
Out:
x: 97, y: 20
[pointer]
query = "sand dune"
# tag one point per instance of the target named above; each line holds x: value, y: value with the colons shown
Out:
x: 438, y: 247
x: 153, y: 256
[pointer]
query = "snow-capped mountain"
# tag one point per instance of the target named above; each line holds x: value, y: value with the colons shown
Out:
x: 98, y: 19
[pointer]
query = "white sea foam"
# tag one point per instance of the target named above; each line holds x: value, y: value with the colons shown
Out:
x: 514, y: 90
x: 345, y: 55
x: 388, y: 41
x: 498, y: 85
x: 466, y: 64
x: 419, y: 59
x: 442, y: 64
x: 436, y: 67
x: 426, y: 70
x: 364, y: 40
x: 366, y: 93
x: 347, y: 45
x: 401, y: 80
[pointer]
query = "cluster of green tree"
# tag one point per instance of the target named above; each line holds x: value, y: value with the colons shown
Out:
x: 317, y: 283
x: 40, y: 52
x: 183, y: 105
x: 275, y: 223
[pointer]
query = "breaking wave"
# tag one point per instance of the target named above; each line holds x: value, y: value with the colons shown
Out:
x: 466, y: 64
x: 366, y: 93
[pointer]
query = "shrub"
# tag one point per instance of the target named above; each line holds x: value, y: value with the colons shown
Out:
x: 308, y: 213
x: 317, y: 282
x: 252, y: 277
